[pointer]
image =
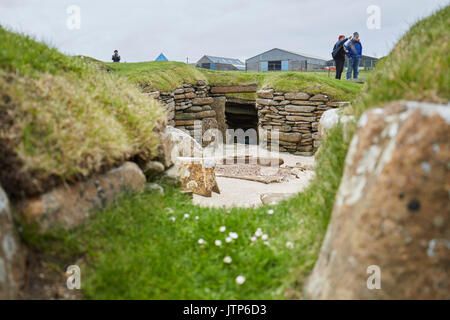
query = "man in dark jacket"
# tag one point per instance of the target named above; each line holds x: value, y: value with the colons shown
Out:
x: 339, y: 55
x: 116, y: 57
x: 354, y: 54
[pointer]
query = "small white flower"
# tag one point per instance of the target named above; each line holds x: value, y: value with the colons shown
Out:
x: 266, y: 243
x: 258, y: 232
x: 218, y: 243
x: 240, y: 280
x: 201, y: 241
x: 186, y: 215
x: 270, y: 211
x: 289, y: 245
x: 196, y: 217
x: 227, y: 259
x: 222, y: 229
x: 169, y: 210
x: 253, y: 239
x: 228, y: 239
x: 228, y: 211
x: 264, y: 237
x: 173, y: 219
x: 233, y: 235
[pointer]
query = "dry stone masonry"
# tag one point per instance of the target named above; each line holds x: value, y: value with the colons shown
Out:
x: 294, y: 114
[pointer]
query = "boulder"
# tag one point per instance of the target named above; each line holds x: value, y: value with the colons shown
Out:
x: 68, y: 206
x: 153, y: 168
x: 388, y: 237
x: 197, y: 175
x: 12, y: 256
x: 331, y: 118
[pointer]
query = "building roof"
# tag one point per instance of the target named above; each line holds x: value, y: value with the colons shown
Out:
x: 293, y: 52
x: 161, y: 57
x: 235, y: 62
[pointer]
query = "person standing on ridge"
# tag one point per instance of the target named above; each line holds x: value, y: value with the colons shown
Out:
x: 338, y: 55
x: 116, y: 57
x: 354, y: 53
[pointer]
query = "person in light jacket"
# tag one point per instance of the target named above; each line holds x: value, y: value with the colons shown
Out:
x: 354, y: 52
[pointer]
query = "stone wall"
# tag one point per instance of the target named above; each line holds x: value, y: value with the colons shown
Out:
x: 296, y: 115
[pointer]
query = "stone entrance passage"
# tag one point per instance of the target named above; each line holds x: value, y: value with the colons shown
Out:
x: 241, y: 114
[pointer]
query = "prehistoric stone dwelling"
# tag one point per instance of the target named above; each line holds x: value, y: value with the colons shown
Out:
x: 195, y: 108
x: 283, y: 60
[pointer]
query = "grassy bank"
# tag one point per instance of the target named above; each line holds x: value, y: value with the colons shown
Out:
x: 167, y: 76
x: 133, y: 249
x: 416, y: 69
x: 62, y: 119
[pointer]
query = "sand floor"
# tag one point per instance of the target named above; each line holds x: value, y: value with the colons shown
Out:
x: 244, y: 193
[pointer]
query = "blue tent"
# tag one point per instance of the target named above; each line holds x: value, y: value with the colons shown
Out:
x: 161, y: 57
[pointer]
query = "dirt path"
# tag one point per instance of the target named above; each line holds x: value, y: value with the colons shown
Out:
x: 244, y: 193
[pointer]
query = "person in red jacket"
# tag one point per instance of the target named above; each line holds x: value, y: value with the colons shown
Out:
x: 338, y: 55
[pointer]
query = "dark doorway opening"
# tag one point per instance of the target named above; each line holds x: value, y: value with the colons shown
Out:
x: 242, y: 115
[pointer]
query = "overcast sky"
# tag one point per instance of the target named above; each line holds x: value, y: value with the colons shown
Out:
x: 141, y: 29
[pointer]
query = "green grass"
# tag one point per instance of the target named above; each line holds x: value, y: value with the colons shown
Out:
x: 416, y: 69
x: 167, y: 76
x: 158, y: 75
x: 132, y: 250
x: 60, y: 117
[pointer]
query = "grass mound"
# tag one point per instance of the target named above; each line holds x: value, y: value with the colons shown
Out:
x: 167, y: 76
x: 416, y: 69
x: 61, y: 119
x: 158, y: 75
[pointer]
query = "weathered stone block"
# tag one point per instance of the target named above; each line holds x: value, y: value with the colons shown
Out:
x: 70, y: 205
x: 296, y: 108
x: 391, y: 209
x: 296, y: 96
x: 12, y: 254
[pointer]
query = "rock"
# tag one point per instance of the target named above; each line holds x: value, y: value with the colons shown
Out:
x: 235, y: 89
x: 265, y: 93
x: 296, y: 108
x: 290, y: 137
x: 395, y: 184
x: 330, y: 118
x: 274, y: 198
x: 197, y: 175
x: 266, y: 102
x: 12, y: 255
x: 202, y: 101
x: 207, y: 124
x: 296, y: 96
x: 68, y: 206
x: 154, y: 186
x: 219, y: 107
x: 183, y: 144
x: 153, y: 168
x: 165, y: 147
x: 195, y: 115
x: 300, y: 118
x: 319, y: 97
